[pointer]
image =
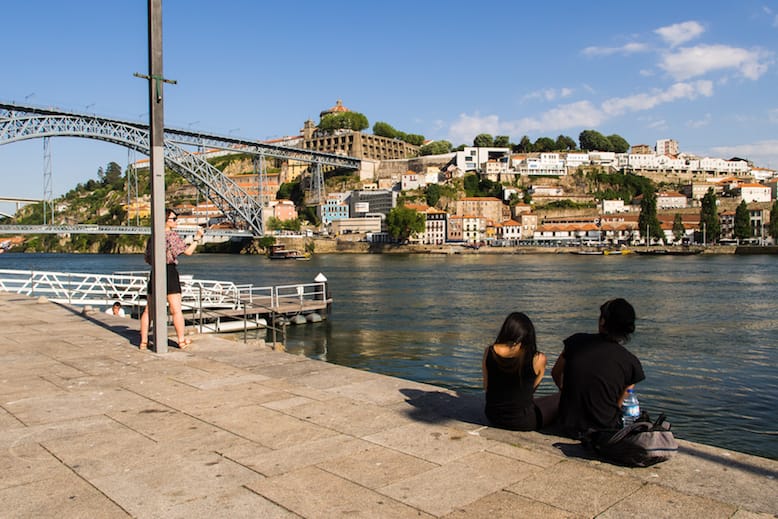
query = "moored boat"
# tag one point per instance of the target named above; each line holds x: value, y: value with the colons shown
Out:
x: 281, y: 252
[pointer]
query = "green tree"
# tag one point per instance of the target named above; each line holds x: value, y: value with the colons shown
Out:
x: 432, y: 194
x: 412, y: 138
x: 565, y: 143
x: 383, y: 129
x: 742, y: 222
x: 592, y: 140
x: 544, y: 144
x: 679, y: 231
x: 471, y: 184
x: 344, y: 121
x: 709, y: 217
x: 524, y: 146
x: 436, y: 148
x: 648, y: 223
x: 274, y: 224
x: 502, y: 141
x: 266, y: 242
x: 402, y: 222
x: 483, y: 140
x: 772, y: 228
x: 113, y: 175
x: 291, y: 191
x: 618, y: 143
x: 291, y: 225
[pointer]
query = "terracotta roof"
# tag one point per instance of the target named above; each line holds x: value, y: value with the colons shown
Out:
x: 338, y: 108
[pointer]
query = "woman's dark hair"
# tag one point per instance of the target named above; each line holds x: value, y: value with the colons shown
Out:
x: 169, y: 212
x: 517, y: 328
x: 618, y: 319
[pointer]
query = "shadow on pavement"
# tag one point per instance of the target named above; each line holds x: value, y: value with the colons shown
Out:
x: 440, y: 406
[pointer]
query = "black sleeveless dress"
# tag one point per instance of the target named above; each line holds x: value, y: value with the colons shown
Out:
x: 509, y: 391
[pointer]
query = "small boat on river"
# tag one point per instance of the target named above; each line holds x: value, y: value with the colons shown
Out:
x: 281, y: 252
x: 669, y: 252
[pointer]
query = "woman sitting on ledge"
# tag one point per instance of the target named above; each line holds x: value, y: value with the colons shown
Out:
x: 512, y: 370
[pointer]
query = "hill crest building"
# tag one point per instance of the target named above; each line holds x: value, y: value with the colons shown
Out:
x: 352, y: 143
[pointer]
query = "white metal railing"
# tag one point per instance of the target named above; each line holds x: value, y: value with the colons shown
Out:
x: 299, y: 293
x: 129, y: 288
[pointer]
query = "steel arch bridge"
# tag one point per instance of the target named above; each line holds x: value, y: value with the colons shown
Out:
x: 18, y: 123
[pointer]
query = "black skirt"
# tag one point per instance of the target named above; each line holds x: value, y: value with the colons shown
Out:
x: 173, y: 281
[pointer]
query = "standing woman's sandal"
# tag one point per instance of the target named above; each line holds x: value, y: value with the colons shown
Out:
x: 184, y: 344
x: 143, y: 346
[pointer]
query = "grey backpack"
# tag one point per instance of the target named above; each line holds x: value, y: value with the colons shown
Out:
x: 641, y: 444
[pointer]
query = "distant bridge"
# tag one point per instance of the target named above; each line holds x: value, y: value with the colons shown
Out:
x: 113, y: 229
x: 19, y: 122
x: 18, y: 201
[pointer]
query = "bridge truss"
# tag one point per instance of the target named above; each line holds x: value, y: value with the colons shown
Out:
x: 18, y: 123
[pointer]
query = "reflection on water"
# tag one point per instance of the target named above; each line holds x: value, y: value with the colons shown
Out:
x: 706, y: 330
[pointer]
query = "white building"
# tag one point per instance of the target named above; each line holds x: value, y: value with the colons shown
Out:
x: 546, y: 191
x: 473, y: 158
x: 602, y: 158
x: 612, y: 206
x: 544, y: 164
x: 666, y: 147
x: 670, y: 200
x: 509, y: 230
x: 573, y: 160
x: 753, y: 192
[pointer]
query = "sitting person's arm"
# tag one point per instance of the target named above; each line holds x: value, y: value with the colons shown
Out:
x: 539, y: 365
x: 624, y: 394
x: 484, y: 371
x: 558, y: 371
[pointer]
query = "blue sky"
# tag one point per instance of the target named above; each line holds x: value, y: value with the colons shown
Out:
x: 703, y: 73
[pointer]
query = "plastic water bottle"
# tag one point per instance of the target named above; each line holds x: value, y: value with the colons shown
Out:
x: 630, y: 409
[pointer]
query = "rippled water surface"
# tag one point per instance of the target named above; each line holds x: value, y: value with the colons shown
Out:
x: 706, y: 333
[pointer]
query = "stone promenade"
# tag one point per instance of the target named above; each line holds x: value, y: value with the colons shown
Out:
x: 91, y: 427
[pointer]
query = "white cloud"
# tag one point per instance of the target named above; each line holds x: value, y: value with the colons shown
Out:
x: 581, y: 113
x: 769, y: 12
x: 575, y: 115
x: 646, y: 101
x: 468, y: 126
x: 679, y: 33
x: 660, y: 124
x: 629, y: 48
x: 761, y: 152
x: 549, y: 94
x: 699, y: 123
x: 689, y: 62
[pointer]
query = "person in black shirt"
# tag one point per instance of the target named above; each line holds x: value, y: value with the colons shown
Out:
x: 594, y: 372
x: 512, y: 370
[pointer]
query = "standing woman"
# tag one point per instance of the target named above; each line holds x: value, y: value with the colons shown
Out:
x: 513, y: 368
x: 174, y: 247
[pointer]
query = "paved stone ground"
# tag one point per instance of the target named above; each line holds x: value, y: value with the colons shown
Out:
x: 92, y: 427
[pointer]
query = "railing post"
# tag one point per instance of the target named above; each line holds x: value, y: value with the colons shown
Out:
x: 245, y: 324
x: 200, y: 307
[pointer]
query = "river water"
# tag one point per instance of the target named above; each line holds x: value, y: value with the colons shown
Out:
x: 706, y: 333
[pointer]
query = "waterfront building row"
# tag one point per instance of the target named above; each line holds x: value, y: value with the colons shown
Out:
x: 500, y: 165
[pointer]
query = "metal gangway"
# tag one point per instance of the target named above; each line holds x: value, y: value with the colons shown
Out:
x: 211, y: 304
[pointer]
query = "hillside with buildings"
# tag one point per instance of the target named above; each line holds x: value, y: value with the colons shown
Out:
x: 471, y: 195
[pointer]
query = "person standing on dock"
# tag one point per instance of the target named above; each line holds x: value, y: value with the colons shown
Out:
x: 174, y: 247
x: 595, y: 370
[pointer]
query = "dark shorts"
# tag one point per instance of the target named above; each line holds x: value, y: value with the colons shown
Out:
x: 532, y: 420
x: 173, y: 281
